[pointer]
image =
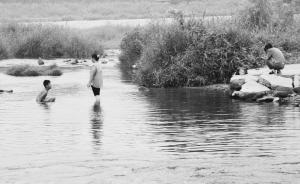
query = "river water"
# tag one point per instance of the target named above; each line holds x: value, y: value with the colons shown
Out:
x: 138, y: 136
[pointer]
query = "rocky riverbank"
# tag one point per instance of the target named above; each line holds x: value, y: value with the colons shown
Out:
x: 260, y: 86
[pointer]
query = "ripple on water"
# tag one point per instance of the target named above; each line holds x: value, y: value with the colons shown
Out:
x: 157, y: 136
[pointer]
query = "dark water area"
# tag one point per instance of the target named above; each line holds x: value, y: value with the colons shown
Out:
x: 140, y: 136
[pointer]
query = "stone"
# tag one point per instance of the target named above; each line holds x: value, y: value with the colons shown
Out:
x: 264, y: 82
x: 248, y: 96
x: 266, y: 99
x: 253, y: 87
x: 247, y: 77
x: 236, y: 84
x: 75, y: 62
x: 297, y: 90
x: 283, y: 92
x: 296, y: 81
x: 278, y: 81
x: 40, y: 61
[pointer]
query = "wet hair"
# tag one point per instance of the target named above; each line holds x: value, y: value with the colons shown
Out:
x: 268, y: 46
x: 95, y: 56
x: 46, y: 83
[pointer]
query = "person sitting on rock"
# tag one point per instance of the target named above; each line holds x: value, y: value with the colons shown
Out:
x: 42, y: 97
x: 275, y: 59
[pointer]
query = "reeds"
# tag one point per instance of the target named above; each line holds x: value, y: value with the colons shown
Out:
x: 190, y: 52
x: 28, y: 70
x: 33, y: 41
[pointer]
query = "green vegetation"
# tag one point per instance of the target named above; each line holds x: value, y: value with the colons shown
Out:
x: 33, y: 41
x: 194, y: 53
x: 28, y: 70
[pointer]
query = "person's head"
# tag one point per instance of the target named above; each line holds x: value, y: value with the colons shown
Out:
x: 268, y: 46
x: 47, y: 84
x: 95, y: 57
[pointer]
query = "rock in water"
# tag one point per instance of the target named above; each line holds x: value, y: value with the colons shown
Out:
x: 253, y: 87
x: 278, y: 81
x: 283, y: 92
x: 247, y: 77
x: 267, y: 99
x: 297, y: 90
x: 75, y: 62
x: 6, y: 91
x: 264, y: 82
x: 296, y: 81
x: 40, y: 61
x: 236, y: 84
x: 251, y: 91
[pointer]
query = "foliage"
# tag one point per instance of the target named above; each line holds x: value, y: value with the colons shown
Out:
x: 28, y: 70
x: 33, y: 41
x: 257, y: 16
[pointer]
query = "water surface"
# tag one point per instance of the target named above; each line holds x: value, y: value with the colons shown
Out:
x: 157, y: 136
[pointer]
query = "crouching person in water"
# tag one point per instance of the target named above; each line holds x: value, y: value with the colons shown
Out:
x: 96, y: 78
x: 42, y: 97
x: 275, y: 60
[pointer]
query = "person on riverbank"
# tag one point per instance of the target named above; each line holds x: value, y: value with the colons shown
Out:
x: 42, y: 97
x: 96, y: 78
x: 275, y: 59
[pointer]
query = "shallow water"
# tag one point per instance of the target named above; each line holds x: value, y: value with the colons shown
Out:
x: 157, y: 136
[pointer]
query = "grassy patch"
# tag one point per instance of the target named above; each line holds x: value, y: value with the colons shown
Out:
x: 28, y: 70
x: 33, y: 41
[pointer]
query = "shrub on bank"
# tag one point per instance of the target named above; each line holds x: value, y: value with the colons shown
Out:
x: 33, y: 41
x: 131, y: 46
x: 3, y: 51
x: 28, y: 70
x: 188, y: 53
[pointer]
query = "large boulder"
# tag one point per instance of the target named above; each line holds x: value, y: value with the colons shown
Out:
x: 297, y: 90
x: 251, y: 91
x: 278, y: 81
x: 264, y: 82
x: 248, y: 96
x: 283, y: 92
x: 246, y: 78
x: 253, y: 87
x: 236, y: 84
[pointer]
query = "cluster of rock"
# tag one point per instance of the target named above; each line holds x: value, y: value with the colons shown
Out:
x: 266, y: 88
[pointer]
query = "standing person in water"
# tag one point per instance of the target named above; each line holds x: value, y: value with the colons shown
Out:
x: 42, y: 97
x: 96, y: 78
x: 275, y: 59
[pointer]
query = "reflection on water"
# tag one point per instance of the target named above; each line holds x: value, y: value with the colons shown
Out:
x: 156, y: 136
x: 96, y: 119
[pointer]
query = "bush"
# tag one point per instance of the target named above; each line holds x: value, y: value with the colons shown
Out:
x: 33, y: 41
x: 131, y: 47
x: 3, y: 51
x: 28, y: 70
x: 188, y: 53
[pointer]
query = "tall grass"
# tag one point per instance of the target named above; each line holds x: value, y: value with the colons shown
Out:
x: 33, y: 41
x: 190, y: 52
x: 27, y: 70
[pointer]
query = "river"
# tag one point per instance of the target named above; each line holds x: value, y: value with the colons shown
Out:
x: 138, y: 136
